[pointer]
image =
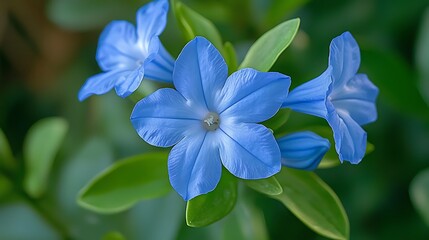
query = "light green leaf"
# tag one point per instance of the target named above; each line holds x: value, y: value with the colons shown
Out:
x: 213, y: 206
x: 230, y: 57
x: 278, y: 120
x: 265, y: 51
x: 419, y: 193
x: 193, y: 24
x: 269, y: 186
x: 313, y: 202
x: 40, y: 147
x: 113, y: 236
x: 126, y: 182
x: 6, y: 158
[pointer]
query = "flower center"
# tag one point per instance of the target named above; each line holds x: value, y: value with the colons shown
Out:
x: 211, y: 121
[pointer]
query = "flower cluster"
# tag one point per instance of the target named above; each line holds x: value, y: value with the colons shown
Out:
x: 213, y: 120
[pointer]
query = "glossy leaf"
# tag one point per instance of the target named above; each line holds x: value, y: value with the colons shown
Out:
x: 193, y: 24
x: 313, y: 202
x: 41, y: 144
x: 265, y: 51
x: 126, y: 182
x: 278, y: 120
x: 6, y: 158
x: 213, y: 206
x: 419, y: 193
x: 268, y: 186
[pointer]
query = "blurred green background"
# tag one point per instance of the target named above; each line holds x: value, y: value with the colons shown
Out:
x: 47, y: 51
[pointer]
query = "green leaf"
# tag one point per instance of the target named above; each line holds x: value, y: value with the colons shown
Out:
x: 6, y: 158
x: 419, y: 193
x: 193, y: 24
x: 313, y: 202
x: 41, y: 144
x: 5, y: 186
x: 126, y: 182
x: 265, y: 51
x: 278, y: 120
x: 213, y: 206
x: 113, y: 236
x: 230, y: 57
x: 269, y: 186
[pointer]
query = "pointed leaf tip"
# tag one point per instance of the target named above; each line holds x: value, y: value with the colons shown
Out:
x: 213, y: 206
x: 313, y: 202
x: 265, y: 51
x: 269, y: 186
x: 126, y: 182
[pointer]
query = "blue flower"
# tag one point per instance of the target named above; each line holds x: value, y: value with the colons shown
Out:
x: 303, y: 150
x: 341, y: 96
x: 212, y: 120
x: 127, y: 54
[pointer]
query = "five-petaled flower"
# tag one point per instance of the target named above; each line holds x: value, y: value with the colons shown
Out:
x: 212, y: 119
x: 341, y: 96
x: 127, y: 54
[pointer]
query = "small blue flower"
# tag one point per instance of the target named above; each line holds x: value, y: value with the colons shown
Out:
x: 212, y: 120
x: 341, y: 96
x: 127, y: 54
x: 303, y: 150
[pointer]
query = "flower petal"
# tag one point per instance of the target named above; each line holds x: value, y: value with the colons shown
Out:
x: 252, y: 96
x: 151, y: 21
x: 303, y: 150
x: 350, y: 138
x: 310, y: 97
x: 127, y: 85
x: 357, y: 98
x: 249, y: 150
x: 101, y: 83
x: 200, y: 72
x: 161, y: 66
x: 344, y: 57
x: 117, y: 47
x: 164, y: 118
x: 194, y: 165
